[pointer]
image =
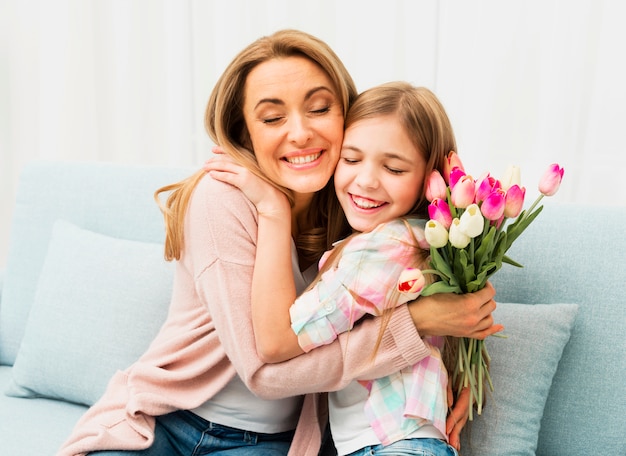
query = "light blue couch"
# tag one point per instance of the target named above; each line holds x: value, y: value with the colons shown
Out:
x: 86, y: 288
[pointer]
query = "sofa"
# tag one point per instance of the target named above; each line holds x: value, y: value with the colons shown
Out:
x: 86, y: 288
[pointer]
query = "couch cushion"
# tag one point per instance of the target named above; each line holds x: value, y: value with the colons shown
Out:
x: 575, y: 253
x: 37, y: 426
x: 99, y: 303
x: 522, y: 369
x: 112, y: 199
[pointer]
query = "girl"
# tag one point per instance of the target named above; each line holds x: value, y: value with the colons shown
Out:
x: 396, y: 134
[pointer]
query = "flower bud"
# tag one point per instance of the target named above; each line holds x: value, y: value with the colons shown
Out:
x: 451, y: 162
x: 512, y: 176
x: 551, y: 180
x: 458, y: 239
x: 436, y: 186
x: 472, y: 221
x: 411, y: 282
x: 514, y: 201
x: 493, y: 206
x: 462, y: 194
x: 440, y: 211
x: 486, y: 186
x: 436, y: 234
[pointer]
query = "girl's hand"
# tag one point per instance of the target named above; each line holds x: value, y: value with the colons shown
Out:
x: 457, y: 417
x: 268, y: 199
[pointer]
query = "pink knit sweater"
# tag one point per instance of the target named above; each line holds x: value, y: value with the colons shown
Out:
x: 208, y: 337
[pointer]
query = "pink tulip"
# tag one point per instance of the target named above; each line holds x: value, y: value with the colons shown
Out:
x: 551, y: 180
x: 440, y: 211
x: 451, y: 162
x: 514, y: 201
x: 462, y: 194
x: 455, y: 176
x: 493, y: 206
x: 436, y: 186
x: 486, y: 186
x: 411, y: 283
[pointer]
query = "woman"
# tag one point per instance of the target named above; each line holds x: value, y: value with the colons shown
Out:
x: 278, y: 109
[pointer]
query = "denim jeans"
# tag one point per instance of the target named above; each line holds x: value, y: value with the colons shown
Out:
x: 409, y: 447
x: 186, y: 434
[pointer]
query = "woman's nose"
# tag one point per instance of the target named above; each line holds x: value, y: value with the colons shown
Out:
x: 300, y: 131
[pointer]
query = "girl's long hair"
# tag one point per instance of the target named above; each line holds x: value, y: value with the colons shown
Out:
x: 225, y: 124
x: 426, y: 122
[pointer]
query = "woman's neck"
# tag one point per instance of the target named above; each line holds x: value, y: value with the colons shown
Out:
x: 299, y: 213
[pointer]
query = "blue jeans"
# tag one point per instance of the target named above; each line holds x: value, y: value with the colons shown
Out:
x: 409, y: 447
x: 186, y: 434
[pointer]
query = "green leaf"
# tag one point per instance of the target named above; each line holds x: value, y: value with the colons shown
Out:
x: 507, y: 260
x: 438, y: 263
x: 439, y: 287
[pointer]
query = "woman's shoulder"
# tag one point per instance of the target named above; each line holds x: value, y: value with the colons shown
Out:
x: 220, y: 194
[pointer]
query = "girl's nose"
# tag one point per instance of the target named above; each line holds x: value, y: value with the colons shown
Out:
x: 366, y: 178
x: 300, y: 131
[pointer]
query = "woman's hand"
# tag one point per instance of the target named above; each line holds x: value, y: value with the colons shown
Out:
x: 268, y: 200
x: 458, y: 315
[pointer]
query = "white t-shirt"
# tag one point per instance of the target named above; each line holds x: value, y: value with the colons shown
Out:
x: 236, y: 406
x: 349, y: 426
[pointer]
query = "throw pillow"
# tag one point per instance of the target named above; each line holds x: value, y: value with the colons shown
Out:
x: 522, y: 368
x: 99, y: 303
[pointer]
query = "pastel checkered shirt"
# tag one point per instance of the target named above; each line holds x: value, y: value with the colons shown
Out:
x: 364, y: 281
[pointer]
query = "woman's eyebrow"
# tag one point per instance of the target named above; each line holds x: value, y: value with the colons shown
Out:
x: 278, y: 101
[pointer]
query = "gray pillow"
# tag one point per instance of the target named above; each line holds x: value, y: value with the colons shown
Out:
x: 522, y: 368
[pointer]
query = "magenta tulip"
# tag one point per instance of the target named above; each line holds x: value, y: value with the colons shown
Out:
x: 440, y: 211
x: 486, y: 186
x: 462, y: 194
x: 451, y: 163
x: 436, y: 186
x: 455, y: 175
x: 551, y: 180
x: 493, y: 206
x: 514, y: 201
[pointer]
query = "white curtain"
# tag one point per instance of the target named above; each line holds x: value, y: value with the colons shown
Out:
x: 526, y: 82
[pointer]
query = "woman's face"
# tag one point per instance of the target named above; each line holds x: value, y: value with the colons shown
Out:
x: 380, y: 174
x: 295, y: 121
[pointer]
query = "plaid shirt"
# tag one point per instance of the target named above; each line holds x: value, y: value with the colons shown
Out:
x: 364, y: 281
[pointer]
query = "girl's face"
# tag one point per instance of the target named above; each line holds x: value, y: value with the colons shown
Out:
x: 380, y: 174
x: 295, y: 121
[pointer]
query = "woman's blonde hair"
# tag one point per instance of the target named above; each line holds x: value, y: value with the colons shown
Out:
x: 225, y: 124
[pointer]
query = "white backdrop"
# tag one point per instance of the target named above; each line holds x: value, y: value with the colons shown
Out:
x: 526, y: 82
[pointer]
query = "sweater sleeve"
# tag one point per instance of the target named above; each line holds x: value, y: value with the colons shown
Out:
x: 220, y: 250
x: 363, y: 282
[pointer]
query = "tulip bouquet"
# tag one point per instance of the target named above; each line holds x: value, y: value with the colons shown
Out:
x: 472, y: 225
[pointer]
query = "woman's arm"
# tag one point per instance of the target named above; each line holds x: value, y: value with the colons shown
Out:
x: 220, y: 251
x: 273, y: 287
